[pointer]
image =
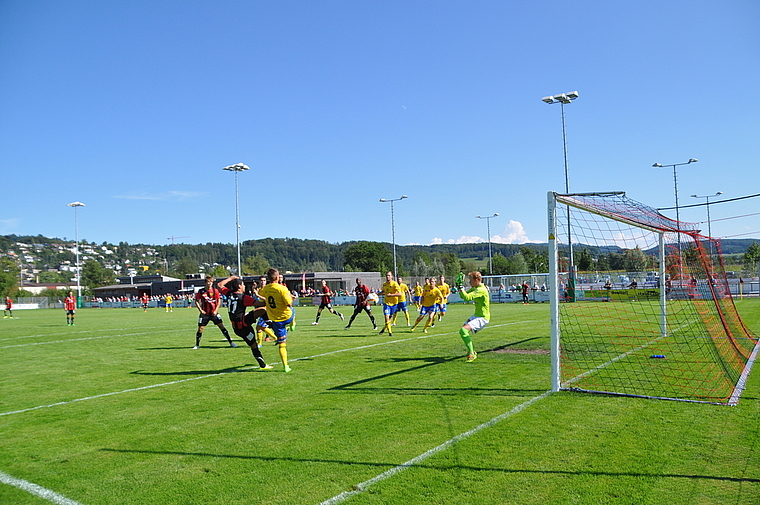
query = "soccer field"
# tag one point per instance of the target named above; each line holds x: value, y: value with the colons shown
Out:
x: 120, y: 409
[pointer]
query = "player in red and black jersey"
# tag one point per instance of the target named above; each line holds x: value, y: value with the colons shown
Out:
x: 242, y: 323
x: 207, y: 300
x: 326, y: 303
x: 362, y: 304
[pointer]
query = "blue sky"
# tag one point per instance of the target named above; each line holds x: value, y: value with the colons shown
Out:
x: 134, y: 107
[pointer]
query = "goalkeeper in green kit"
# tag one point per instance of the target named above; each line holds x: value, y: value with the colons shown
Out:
x: 478, y: 293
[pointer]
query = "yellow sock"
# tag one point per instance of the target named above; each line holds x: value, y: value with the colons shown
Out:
x: 259, y: 337
x: 283, y: 353
x: 269, y: 332
x: 407, y: 318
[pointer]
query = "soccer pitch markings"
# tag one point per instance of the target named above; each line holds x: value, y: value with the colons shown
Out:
x: 253, y: 367
x: 361, y: 487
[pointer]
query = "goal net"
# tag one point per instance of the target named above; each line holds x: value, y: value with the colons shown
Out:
x: 641, y: 305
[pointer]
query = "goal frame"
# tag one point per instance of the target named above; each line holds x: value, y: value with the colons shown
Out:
x: 554, y: 294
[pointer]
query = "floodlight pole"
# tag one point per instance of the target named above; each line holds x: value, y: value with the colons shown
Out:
x: 488, y: 225
x: 562, y: 99
x: 76, y: 205
x: 675, y: 190
x: 393, y: 230
x: 238, y: 167
x: 709, y: 228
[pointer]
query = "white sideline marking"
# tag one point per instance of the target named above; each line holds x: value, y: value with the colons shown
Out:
x: 36, y: 490
x: 233, y: 371
x: 360, y: 488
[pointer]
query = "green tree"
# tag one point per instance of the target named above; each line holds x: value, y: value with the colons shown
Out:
x: 634, y: 260
x: 186, y: 265
x: 752, y: 256
x: 96, y: 275
x: 368, y: 257
x: 256, y: 265
x: 500, y: 264
x: 219, y: 271
x: 584, y: 260
x: 8, y: 277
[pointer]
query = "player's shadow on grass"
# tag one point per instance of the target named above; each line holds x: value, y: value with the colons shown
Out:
x: 177, y: 348
x: 241, y: 368
x: 492, y: 469
x: 360, y: 386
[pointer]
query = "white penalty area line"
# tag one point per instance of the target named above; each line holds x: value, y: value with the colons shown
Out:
x: 152, y: 386
x: 363, y: 486
x: 36, y: 490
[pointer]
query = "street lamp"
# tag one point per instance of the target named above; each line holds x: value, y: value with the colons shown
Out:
x: 563, y: 99
x: 488, y: 225
x: 76, y: 205
x: 675, y: 190
x: 709, y: 230
x: 238, y: 167
x: 393, y: 230
x: 675, y: 182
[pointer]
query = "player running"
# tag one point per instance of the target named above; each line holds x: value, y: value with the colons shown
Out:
x: 431, y: 297
x: 70, y: 306
x: 391, y: 292
x: 417, y: 295
x: 361, y: 304
x: 326, y: 303
x: 402, y: 301
x: 8, y: 312
x: 479, y: 294
x: 279, y: 307
x: 445, y: 290
x: 242, y: 324
x: 207, y: 301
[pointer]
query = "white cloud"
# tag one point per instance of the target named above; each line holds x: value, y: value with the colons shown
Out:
x: 513, y: 233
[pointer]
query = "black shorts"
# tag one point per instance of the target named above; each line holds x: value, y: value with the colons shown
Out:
x: 204, y: 319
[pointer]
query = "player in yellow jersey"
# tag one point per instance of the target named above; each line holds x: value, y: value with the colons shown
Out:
x: 169, y: 299
x: 392, y: 293
x: 417, y: 295
x: 445, y: 290
x: 279, y: 305
x: 431, y: 297
x: 402, y: 301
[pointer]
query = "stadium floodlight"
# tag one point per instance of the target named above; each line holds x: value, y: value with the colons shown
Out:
x: 563, y: 99
x: 393, y: 230
x: 488, y: 225
x: 707, y: 204
x: 76, y: 205
x: 238, y: 167
x: 675, y: 187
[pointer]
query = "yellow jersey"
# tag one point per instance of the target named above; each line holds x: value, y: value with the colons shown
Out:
x: 390, y: 287
x: 278, y: 301
x: 418, y: 290
x: 403, y: 289
x: 445, y: 291
x: 431, y: 296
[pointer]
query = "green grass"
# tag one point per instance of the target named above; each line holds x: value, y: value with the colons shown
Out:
x: 158, y: 422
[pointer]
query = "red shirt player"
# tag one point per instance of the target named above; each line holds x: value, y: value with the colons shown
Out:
x: 144, y: 299
x: 8, y: 308
x: 361, y: 304
x: 70, y: 306
x: 207, y: 300
x: 326, y: 303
